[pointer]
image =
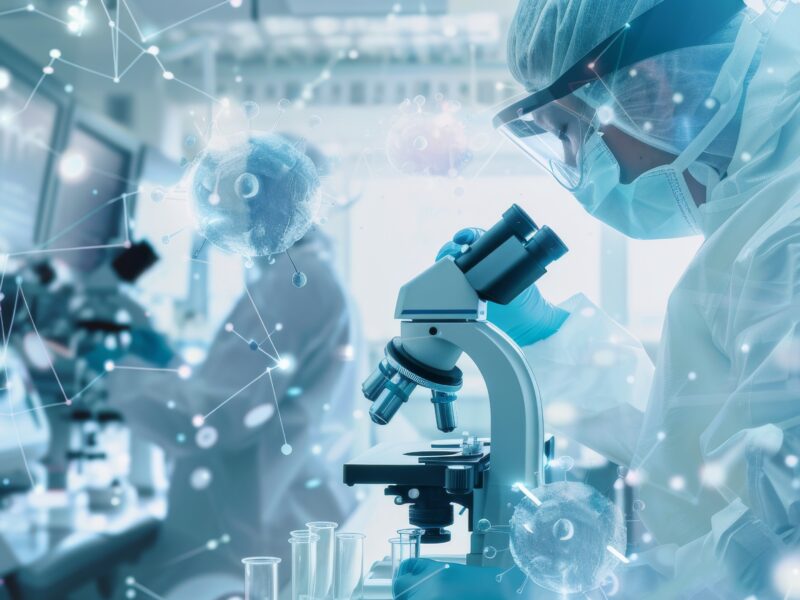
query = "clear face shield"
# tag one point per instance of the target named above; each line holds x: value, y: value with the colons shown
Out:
x: 665, y: 103
x: 553, y: 135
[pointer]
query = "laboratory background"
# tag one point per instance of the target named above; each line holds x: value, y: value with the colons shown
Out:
x: 182, y: 414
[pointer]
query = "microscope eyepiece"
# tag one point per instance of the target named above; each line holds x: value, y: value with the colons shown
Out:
x: 510, y: 257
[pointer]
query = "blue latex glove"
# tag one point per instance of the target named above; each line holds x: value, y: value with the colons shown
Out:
x: 423, y: 579
x: 528, y: 318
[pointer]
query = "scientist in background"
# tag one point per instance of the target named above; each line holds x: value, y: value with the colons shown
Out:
x: 267, y: 458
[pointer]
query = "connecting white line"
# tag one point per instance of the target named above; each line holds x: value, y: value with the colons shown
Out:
x: 524, y: 489
x: 423, y: 580
x: 263, y: 324
x: 182, y: 21
x: 44, y: 348
x: 133, y: 19
x: 277, y: 405
x: 146, y: 591
x: 232, y: 396
x: 618, y: 554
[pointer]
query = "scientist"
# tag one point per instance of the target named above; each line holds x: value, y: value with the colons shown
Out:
x: 665, y: 119
x: 268, y: 460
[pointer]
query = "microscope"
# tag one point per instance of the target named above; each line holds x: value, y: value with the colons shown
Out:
x: 443, y: 314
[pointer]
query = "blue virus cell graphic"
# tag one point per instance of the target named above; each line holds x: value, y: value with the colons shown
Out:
x: 299, y: 279
x: 565, y: 543
x: 255, y: 195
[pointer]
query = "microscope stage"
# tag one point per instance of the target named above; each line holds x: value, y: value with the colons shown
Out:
x: 411, y: 463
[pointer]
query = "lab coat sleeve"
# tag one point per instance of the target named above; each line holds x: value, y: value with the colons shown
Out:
x: 756, y: 434
x: 234, y: 379
x: 594, y: 378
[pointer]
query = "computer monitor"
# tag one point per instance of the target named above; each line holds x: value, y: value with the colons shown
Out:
x: 34, y: 111
x: 98, y: 166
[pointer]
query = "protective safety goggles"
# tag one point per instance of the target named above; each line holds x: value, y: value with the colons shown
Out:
x: 552, y: 125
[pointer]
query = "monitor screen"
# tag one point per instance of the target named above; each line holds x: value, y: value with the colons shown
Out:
x: 27, y: 126
x: 88, y: 210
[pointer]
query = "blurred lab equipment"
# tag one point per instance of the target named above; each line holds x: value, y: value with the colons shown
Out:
x: 442, y: 313
x: 261, y: 577
x: 348, y: 577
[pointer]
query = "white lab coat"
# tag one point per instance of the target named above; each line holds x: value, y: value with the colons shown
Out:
x: 256, y: 495
x: 712, y: 432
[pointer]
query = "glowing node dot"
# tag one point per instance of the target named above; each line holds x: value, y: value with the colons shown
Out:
x: 647, y: 538
x: 285, y: 363
x: 212, y: 544
x: 168, y: 75
x: 677, y: 483
x: 746, y: 157
x: 198, y: 420
x: 109, y: 366
x: 30, y: 7
x: 184, y: 371
x: 677, y: 98
x: 791, y: 461
x: 661, y: 436
x: 633, y: 72
x: 358, y: 414
x: 692, y: 376
x: 316, y: 449
x: 171, y: 404
x: 129, y: 581
x: 286, y: 449
x: 235, y: 3
x: 278, y: 326
x: 710, y: 103
x: 352, y: 54
x: 72, y: 166
x: 153, y: 50
x: 745, y: 348
x: 55, y: 53
x: 116, y: 79
x: 213, y: 199
x: 48, y: 70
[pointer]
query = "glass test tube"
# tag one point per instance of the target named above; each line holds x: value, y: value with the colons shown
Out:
x: 348, y: 579
x: 323, y: 574
x: 304, y: 556
x: 403, y: 549
x: 411, y: 534
x: 261, y: 577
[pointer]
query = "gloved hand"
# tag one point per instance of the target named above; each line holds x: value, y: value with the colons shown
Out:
x: 528, y: 318
x: 423, y: 579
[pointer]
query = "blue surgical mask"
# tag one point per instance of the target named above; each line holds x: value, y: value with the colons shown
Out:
x: 656, y: 205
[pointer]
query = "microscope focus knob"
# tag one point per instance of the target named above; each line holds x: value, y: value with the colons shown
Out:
x: 459, y: 479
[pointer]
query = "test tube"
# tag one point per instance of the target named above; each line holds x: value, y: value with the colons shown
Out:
x: 348, y: 580
x: 403, y: 549
x: 411, y: 534
x: 261, y: 577
x: 323, y: 574
x: 304, y: 556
